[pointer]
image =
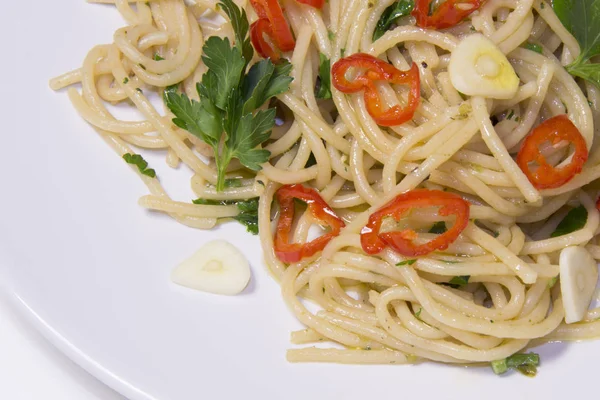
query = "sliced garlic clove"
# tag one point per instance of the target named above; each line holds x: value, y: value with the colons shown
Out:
x: 578, y: 279
x: 478, y: 68
x: 218, y: 267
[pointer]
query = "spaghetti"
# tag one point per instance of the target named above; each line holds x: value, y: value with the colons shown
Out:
x: 381, y: 307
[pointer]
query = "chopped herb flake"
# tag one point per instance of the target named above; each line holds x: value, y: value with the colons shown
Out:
x: 392, y: 13
x: 534, y: 47
x: 324, y: 86
x: 458, y: 281
x: 248, y: 215
x: 406, y: 262
x: 439, y: 227
x: 573, y: 221
x: 525, y: 363
x: 138, y: 161
x: 418, y: 314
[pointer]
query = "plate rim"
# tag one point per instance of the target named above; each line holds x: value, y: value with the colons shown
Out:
x: 67, y: 348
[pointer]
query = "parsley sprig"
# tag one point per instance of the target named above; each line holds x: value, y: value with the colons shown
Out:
x: 227, y: 116
x: 582, y: 19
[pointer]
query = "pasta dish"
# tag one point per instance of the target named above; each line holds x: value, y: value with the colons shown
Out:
x: 421, y: 174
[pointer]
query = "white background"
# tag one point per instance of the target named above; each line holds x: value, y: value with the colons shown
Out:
x: 32, y: 369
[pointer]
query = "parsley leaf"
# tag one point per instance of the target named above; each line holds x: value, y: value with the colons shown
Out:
x: 263, y: 81
x: 573, y: 221
x: 396, y: 10
x: 248, y: 215
x: 157, y: 57
x: 247, y: 133
x: 458, y: 281
x: 139, y: 162
x: 226, y: 117
x: 227, y: 64
x: 589, y: 72
x: 324, y: 90
x: 239, y: 21
x: 582, y: 19
x: 534, y: 47
x: 203, y: 119
x: 406, y: 262
x: 525, y: 363
x: 438, y: 227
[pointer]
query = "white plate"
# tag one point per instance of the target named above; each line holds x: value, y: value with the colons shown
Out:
x: 91, y: 268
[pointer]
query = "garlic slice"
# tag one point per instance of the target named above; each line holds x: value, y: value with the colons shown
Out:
x: 218, y: 267
x: 578, y: 279
x: 478, y: 68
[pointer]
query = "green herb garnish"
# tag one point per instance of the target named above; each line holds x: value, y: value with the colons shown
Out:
x: 573, y: 221
x: 324, y: 87
x: 438, y: 227
x: 227, y: 116
x: 393, y: 12
x: 406, y: 262
x: 458, y: 281
x: 248, y: 215
x: 139, y: 162
x: 157, y: 57
x: 418, y: 314
x: 525, y: 363
x: 582, y: 19
x: 534, y: 47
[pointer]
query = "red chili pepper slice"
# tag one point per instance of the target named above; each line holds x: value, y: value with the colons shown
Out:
x: 397, y: 114
x: 258, y: 30
x: 313, y: 3
x: 375, y: 69
x: 448, y: 14
x: 373, y: 241
x: 279, y: 31
x: 554, y: 130
x: 294, y: 252
x: 378, y: 70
